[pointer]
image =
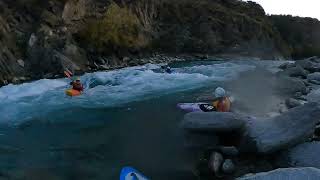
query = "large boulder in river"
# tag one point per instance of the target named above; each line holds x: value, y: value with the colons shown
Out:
x: 212, y: 122
x: 283, y: 131
x: 286, y: 174
x: 303, y: 155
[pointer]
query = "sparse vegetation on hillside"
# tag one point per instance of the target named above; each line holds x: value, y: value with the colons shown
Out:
x: 119, y: 28
x: 301, y: 34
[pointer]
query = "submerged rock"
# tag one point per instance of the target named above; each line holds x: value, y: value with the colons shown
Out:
x: 283, y: 131
x: 287, y: 174
x: 228, y: 167
x: 215, y: 162
x: 212, y: 122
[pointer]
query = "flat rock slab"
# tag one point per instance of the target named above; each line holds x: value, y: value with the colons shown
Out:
x: 286, y: 174
x: 303, y: 155
x: 212, y: 122
x: 281, y: 132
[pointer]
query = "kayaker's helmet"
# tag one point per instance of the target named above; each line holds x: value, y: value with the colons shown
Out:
x: 78, y: 79
x: 219, y: 92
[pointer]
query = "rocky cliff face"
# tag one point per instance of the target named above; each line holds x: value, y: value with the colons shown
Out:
x: 39, y: 39
x: 301, y: 34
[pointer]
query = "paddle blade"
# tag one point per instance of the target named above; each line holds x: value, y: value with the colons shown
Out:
x: 67, y: 74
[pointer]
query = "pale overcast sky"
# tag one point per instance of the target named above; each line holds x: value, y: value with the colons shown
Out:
x: 304, y: 8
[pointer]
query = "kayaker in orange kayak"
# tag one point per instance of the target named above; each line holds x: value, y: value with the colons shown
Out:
x: 76, y: 85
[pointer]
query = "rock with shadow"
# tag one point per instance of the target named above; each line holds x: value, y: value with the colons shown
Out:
x: 269, y: 135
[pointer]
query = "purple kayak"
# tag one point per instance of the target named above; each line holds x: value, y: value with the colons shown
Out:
x: 195, y: 107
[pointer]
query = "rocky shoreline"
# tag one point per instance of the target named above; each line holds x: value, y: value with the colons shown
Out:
x: 237, y: 144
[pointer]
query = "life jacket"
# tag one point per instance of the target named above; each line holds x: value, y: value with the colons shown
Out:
x: 77, y: 86
x: 222, y: 105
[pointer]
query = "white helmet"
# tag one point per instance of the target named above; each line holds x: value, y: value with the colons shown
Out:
x: 219, y: 92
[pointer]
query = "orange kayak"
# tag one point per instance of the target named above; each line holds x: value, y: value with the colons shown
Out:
x: 72, y: 92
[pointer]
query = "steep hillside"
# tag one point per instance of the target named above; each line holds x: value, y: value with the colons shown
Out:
x: 301, y: 34
x: 39, y: 39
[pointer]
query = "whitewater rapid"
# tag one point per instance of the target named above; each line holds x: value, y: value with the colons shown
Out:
x: 113, y: 88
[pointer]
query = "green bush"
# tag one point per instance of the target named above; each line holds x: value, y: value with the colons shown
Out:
x: 119, y: 28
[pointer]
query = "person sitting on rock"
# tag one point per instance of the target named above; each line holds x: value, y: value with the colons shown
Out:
x: 221, y: 103
x: 77, y: 85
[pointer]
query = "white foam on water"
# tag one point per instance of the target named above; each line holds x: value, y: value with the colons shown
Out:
x: 112, y: 88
